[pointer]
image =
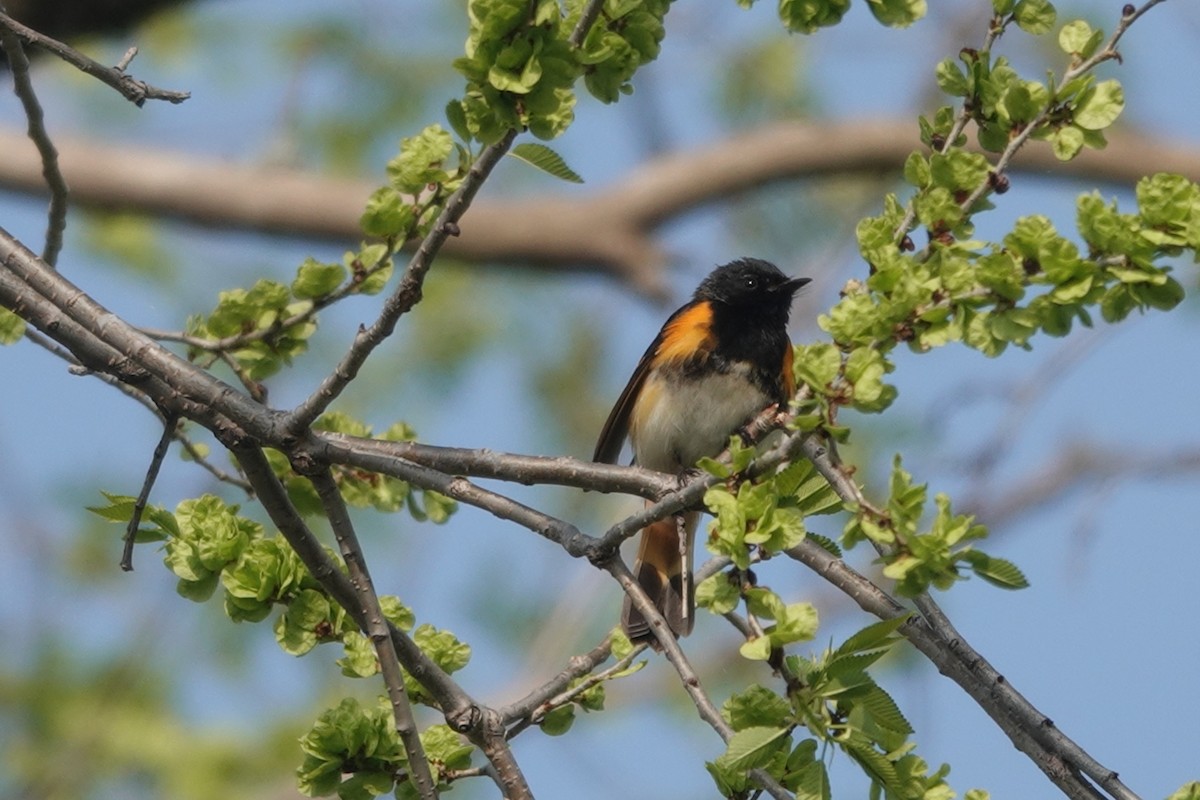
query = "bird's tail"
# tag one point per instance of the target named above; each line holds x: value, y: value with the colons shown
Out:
x: 664, y: 571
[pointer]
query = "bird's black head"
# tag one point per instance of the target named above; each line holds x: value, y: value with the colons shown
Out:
x: 750, y: 283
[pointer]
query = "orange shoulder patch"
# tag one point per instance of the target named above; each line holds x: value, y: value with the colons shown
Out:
x: 687, y: 335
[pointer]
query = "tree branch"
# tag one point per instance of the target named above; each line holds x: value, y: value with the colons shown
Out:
x: 134, y: 90
x: 578, y: 666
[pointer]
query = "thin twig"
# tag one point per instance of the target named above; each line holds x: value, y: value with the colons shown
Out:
x: 56, y: 223
x: 233, y: 342
x: 170, y: 421
x: 562, y: 698
x: 576, y: 667
x: 196, y: 454
x: 191, y: 448
x: 136, y: 91
x: 406, y: 295
x: 376, y: 629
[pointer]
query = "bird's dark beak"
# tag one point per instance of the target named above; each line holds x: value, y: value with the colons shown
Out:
x: 793, y: 285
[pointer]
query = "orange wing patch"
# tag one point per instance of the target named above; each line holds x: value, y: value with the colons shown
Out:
x: 688, y: 335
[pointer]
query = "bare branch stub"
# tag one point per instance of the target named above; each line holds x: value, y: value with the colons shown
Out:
x: 134, y: 90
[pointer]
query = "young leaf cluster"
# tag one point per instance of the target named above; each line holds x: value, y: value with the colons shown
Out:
x: 758, y: 519
x: 628, y: 35
x: 831, y: 701
x: 264, y: 327
x: 521, y: 67
x: 988, y: 296
x: 918, y: 559
x: 1071, y: 113
x: 428, y: 168
x: 766, y: 514
x: 1035, y: 280
x: 353, y: 750
x: 809, y: 16
x: 207, y: 543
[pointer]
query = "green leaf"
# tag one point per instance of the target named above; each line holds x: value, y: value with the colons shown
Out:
x: 951, y: 80
x: 387, y: 214
x: 558, y: 721
x: 421, y: 160
x: 873, y: 637
x: 817, y: 365
x: 1099, y: 106
x: 730, y: 782
x: 997, y: 571
x: 445, y: 749
x: 806, y: 775
x: 1022, y: 103
x: 827, y: 544
x: 1066, y: 142
x: 753, y: 747
x: 1189, y: 791
x: 757, y: 706
x: 718, y: 594
x: 314, y: 279
x: 883, y: 711
x: 269, y: 571
x: 797, y: 623
x: 304, y: 622
x: 806, y: 16
x: 916, y: 170
x: 360, y: 659
x: 12, y: 327
x: 443, y: 647
x: 865, y: 368
x: 756, y: 649
x: 545, y: 159
x: 874, y: 763
x: 354, y: 740
x: 1078, y: 39
x: 1167, y: 201
x: 1035, y: 16
x: 396, y: 612
x: 897, y: 13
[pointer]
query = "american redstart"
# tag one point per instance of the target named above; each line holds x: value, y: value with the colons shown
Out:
x: 717, y: 362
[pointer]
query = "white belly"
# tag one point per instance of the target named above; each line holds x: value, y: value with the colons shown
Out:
x: 682, y: 425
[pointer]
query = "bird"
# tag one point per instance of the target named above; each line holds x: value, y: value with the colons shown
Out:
x: 718, y: 361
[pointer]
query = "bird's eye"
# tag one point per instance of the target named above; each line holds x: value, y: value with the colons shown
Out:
x: 751, y: 283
